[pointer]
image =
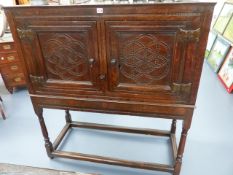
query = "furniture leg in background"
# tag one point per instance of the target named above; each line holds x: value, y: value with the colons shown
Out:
x: 1, y: 110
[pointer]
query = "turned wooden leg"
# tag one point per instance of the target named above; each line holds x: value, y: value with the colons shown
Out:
x: 180, y: 152
x: 173, y: 126
x: 48, y: 144
x: 68, y: 117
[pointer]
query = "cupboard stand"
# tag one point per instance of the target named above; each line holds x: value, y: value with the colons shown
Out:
x: 177, y: 153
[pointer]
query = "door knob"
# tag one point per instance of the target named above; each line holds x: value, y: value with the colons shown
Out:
x: 113, y: 61
x: 91, y: 61
x: 102, y: 76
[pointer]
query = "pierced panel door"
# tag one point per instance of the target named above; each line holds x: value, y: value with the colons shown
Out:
x: 61, y: 57
x: 151, y: 58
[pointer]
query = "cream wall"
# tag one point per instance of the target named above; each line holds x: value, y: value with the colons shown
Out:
x: 7, y: 2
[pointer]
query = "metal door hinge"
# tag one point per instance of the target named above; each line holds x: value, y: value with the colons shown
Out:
x: 181, y: 88
x: 189, y: 35
x: 25, y: 34
x: 37, y: 79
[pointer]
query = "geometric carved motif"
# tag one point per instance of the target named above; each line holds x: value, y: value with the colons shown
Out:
x: 144, y: 59
x: 65, y: 56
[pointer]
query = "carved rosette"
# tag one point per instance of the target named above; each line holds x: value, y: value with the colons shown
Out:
x: 145, y: 59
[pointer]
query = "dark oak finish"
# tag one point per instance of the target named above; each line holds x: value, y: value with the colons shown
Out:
x: 136, y: 59
x: 121, y: 129
x: 10, y: 66
x: 110, y: 161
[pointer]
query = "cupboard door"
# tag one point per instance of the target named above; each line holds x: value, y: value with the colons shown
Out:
x: 61, y: 56
x: 147, y: 58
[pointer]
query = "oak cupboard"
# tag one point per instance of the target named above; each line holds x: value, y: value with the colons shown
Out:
x: 138, y: 58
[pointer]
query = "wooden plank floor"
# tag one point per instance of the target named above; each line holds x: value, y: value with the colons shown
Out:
x: 10, y: 169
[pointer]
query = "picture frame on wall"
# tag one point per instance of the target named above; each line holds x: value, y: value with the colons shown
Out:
x: 226, y: 72
x: 218, y: 53
x: 223, y: 18
x: 228, y: 33
x: 211, y: 38
x: 22, y: 2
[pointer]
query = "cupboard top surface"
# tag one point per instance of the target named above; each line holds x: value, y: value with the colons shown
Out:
x: 114, y: 9
x: 124, y: 2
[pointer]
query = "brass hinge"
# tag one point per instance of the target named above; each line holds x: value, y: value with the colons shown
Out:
x: 37, y: 79
x: 189, y: 35
x: 184, y: 89
x: 25, y: 34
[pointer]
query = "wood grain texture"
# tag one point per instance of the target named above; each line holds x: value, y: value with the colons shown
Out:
x: 113, y: 161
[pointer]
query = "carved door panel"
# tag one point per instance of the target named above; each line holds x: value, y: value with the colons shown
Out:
x: 62, y: 56
x: 150, y: 57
